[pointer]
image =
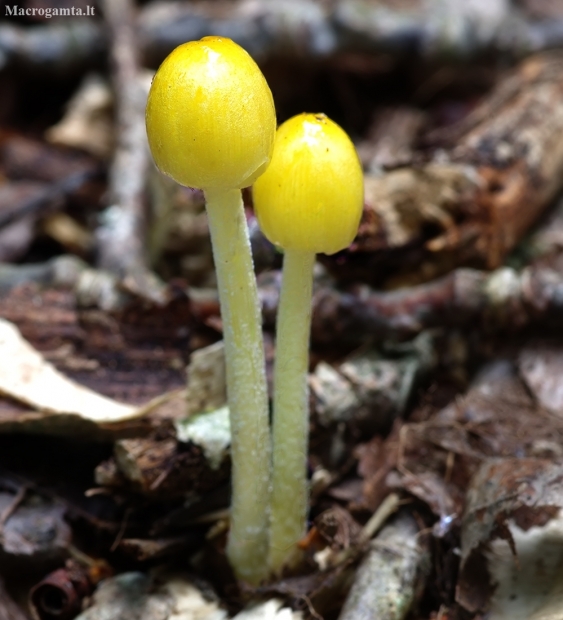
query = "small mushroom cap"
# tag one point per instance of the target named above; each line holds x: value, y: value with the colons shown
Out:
x: 210, y: 116
x: 311, y: 196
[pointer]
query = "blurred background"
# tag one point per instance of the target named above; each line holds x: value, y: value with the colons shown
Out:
x: 393, y: 73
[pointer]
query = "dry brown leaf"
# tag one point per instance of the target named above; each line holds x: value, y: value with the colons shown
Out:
x: 26, y: 377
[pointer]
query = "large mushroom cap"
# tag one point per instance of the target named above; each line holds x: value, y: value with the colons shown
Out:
x: 210, y: 116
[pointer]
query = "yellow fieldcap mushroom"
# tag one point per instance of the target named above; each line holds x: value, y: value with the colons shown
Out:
x: 210, y: 116
x: 311, y: 196
x: 211, y: 125
x: 309, y: 200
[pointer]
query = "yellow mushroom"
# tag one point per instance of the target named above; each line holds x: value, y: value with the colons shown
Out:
x: 211, y: 124
x: 309, y: 200
x: 311, y: 197
x: 210, y: 116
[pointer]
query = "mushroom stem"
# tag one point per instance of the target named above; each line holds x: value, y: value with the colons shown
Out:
x: 246, y: 385
x: 289, y: 501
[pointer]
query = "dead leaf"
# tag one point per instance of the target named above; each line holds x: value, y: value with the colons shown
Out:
x: 541, y: 367
x: 207, y: 383
x: 87, y: 123
x: 26, y: 377
x: 507, y: 531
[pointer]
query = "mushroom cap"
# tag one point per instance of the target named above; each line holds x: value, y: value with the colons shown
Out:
x: 210, y: 116
x: 311, y: 196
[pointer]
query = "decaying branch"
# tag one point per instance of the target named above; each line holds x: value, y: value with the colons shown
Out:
x: 486, y: 182
x: 121, y: 237
x: 315, y: 29
x: 505, y: 298
x: 303, y: 28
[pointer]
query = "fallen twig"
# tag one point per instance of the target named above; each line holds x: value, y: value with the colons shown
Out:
x: 121, y: 236
x: 390, y: 576
x: 61, y: 271
x: 505, y: 298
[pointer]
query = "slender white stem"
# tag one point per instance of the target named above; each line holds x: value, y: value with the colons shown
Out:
x: 247, y: 547
x: 291, y: 409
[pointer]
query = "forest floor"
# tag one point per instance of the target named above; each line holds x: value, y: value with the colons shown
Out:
x: 436, y: 390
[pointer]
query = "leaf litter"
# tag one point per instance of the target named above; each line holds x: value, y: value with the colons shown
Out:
x: 430, y: 501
